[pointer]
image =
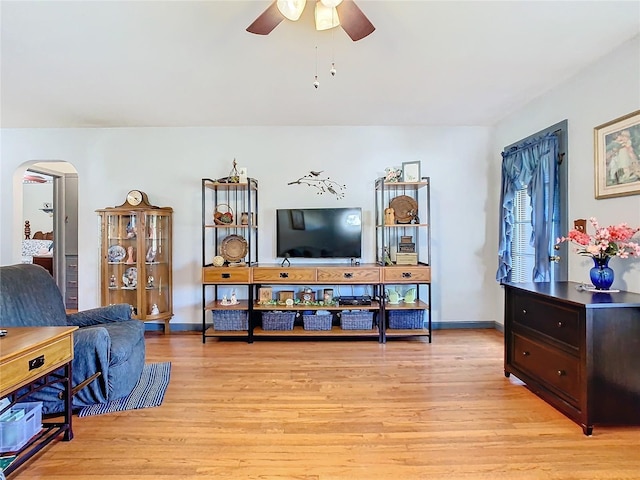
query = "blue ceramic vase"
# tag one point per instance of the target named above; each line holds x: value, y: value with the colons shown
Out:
x: 601, y: 274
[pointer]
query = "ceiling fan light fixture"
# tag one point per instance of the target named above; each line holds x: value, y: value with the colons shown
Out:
x: 291, y: 9
x: 326, y: 17
x: 331, y: 3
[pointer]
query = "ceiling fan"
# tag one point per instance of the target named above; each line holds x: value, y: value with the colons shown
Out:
x: 328, y: 14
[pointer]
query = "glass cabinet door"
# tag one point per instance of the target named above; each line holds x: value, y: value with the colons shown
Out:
x: 121, y: 272
x: 157, y: 266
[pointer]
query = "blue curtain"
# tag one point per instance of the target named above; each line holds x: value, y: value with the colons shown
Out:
x: 532, y: 164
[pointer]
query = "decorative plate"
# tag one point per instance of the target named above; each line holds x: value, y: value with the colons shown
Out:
x: 405, y: 208
x: 233, y: 248
x: 130, y: 277
x: 116, y: 253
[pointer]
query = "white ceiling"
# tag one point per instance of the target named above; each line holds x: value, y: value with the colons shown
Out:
x: 185, y: 63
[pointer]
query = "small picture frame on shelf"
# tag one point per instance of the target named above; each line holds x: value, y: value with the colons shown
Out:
x: 410, y: 171
x: 285, y: 295
x: 265, y: 294
x: 327, y: 295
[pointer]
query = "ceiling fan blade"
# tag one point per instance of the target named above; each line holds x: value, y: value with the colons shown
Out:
x: 353, y: 21
x: 267, y: 21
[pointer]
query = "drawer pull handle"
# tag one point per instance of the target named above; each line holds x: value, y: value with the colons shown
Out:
x: 559, y: 324
x: 406, y: 274
x: 348, y: 275
x: 71, y: 282
x: 524, y: 312
x: 72, y: 299
x: 226, y: 275
x: 36, y: 362
x: 284, y: 275
x: 561, y: 373
x: 525, y: 354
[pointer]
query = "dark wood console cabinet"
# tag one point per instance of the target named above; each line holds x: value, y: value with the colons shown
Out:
x: 577, y: 350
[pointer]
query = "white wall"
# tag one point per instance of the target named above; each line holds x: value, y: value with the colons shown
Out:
x: 606, y: 90
x: 169, y: 163
x: 463, y: 162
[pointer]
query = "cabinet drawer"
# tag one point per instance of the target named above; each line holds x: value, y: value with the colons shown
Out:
x: 406, y: 274
x: 71, y: 298
x: 557, y: 321
x: 35, y: 363
x: 283, y: 275
x: 348, y: 275
x: 236, y: 275
x: 548, y: 365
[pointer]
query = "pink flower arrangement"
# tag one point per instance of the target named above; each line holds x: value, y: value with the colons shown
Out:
x: 607, y: 242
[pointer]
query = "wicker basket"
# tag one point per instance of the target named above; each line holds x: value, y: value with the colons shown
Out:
x: 230, y: 320
x: 317, y: 322
x: 278, y: 320
x: 356, y: 320
x: 406, y: 319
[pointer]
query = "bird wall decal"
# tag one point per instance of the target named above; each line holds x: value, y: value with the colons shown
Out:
x: 324, y: 185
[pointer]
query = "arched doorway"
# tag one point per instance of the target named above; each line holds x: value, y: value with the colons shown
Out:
x: 57, y: 200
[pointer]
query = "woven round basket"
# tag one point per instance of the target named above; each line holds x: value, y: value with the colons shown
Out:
x: 223, y: 214
x: 405, y: 208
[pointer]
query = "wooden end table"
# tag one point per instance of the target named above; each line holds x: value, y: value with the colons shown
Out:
x: 28, y: 355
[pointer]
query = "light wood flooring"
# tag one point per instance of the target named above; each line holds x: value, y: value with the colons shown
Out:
x: 321, y: 410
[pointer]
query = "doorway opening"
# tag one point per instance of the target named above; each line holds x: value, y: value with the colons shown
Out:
x: 50, y: 213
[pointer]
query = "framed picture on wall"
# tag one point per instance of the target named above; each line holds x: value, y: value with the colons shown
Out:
x: 617, y: 157
x: 410, y: 171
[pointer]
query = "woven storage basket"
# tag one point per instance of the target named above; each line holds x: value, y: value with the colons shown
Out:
x: 317, y: 322
x: 358, y: 320
x: 230, y: 320
x: 406, y: 319
x: 278, y: 320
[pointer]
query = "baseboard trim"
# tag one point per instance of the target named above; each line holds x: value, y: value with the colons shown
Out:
x: 197, y: 327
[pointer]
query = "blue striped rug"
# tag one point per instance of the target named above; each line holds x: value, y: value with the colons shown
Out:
x: 148, y: 392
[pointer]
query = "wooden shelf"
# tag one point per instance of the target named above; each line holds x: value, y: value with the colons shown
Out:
x: 403, y: 225
x: 406, y: 332
x: 217, y: 305
x: 418, y: 305
x: 301, y: 332
x: 374, y: 306
x: 212, y: 332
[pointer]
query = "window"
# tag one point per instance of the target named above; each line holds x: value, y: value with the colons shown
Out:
x: 522, y: 253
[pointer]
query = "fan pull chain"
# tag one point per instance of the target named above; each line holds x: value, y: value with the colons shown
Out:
x: 332, y: 71
x: 316, y: 83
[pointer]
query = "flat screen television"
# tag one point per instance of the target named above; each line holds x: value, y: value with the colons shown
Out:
x: 319, y: 233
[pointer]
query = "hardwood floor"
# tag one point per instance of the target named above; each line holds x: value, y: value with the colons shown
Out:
x: 320, y: 410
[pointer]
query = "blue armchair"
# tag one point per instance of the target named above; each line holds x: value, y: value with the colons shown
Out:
x: 108, y: 340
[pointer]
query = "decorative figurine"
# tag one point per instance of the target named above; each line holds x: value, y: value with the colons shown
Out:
x: 389, y: 216
x: 131, y: 230
x: 410, y: 296
x: 393, y: 296
x: 27, y: 230
x: 151, y: 254
x: 387, y: 257
x: 154, y: 309
x: 112, y: 281
x: 130, y: 257
x: 234, y: 300
x: 150, y: 281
